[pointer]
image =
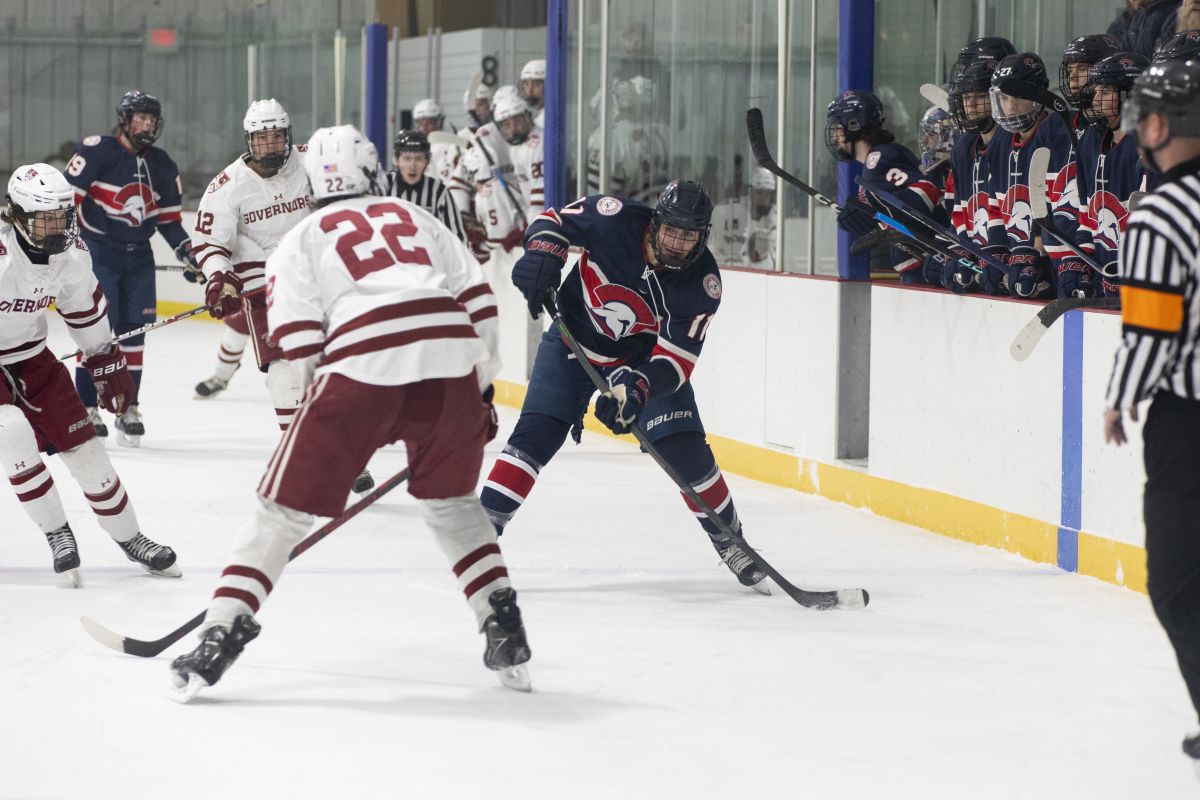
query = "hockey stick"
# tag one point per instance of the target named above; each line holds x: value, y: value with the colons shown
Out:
x: 149, y: 649
x: 446, y: 137
x: 936, y: 96
x: 1029, y: 336
x: 161, y: 323
x: 1039, y: 165
x: 821, y: 601
x: 1015, y: 87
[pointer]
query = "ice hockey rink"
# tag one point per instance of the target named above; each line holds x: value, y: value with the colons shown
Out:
x: 973, y: 673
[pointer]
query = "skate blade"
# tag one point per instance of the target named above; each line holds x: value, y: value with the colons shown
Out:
x: 71, y: 579
x: 172, y: 571
x: 126, y: 440
x: 516, y: 677
x: 184, y: 693
x: 762, y: 587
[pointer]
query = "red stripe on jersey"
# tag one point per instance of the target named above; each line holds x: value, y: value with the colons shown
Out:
x: 512, y: 477
x: 210, y: 246
x: 97, y: 296
x: 551, y: 215
x: 288, y: 328
x: 248, y: 572
x: 298, y: 353
x: 480, y: 290
x: 379, y: 343
x: 21, y: 347
x: 410, y: 308
x: 104, y: 497
x: 474, y: 557
x: 484, y: 313
x: 238, y: 594
x: 684, y: 365
x: 493, y: 574
x: 169, y: 216
x: 34, y: 494
x: 714, y: 496
x: 101, y: 318
x: 26, y: 477
x: 249, y: 266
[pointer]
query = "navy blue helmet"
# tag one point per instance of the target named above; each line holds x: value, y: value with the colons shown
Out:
x: 975, y: 79
x: 1185, y: 44
x: 1172, y: 89
x: 1084, y: 50
x: 407, y: 141
x: 137, y: 102
x: 985, y: 48
x: 854, y: 112
x: 683, y: 205
x: 1119, y: 71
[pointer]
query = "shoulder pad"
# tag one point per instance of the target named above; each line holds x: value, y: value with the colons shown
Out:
x: 218, y: 182
x: 91, y: 141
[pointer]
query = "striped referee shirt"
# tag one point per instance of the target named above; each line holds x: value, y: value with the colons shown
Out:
x: 431, y: 195
x: 1160, y: 294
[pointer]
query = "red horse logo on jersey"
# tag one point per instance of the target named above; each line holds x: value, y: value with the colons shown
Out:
x: 1108, y: 219
x: 616, y: 311
x: 1018, y: 215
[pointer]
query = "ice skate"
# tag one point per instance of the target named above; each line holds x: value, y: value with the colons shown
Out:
x: 157, y: 559
x: 93, y: 416
x: 66, y: 554
x: 741, y: 565
x: 364, y: 482
x: 1191, y: 748
x: 507, y: 649
x: 219, y: 647
x: 207, y: 389
x: 130, y: 429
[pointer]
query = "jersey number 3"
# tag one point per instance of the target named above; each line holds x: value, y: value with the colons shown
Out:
x: 361, y: 232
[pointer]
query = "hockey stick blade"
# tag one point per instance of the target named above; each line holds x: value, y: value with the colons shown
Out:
x: 762, y: 154
x: 936, y: 96
x: 1027, y: 338
x: 149, y: 649
x: 1015, y: 87
x: 818, y: 600
x: 445, y: 137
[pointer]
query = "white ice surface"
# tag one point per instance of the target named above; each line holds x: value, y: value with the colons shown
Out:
x: 973, y: 673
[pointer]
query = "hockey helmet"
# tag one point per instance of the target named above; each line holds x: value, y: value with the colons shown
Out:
x: 476, y: 164
x: 41, y: 206
x: 683, y: 207
x: 410, y: 141
x: 848, y: 118
x: 428, y: 115
x: 1185, y: 44
x: 138, y: 102
x: 986, y: 48
x: 533, y: 76
x: 1081, y: 53
x: 1016, y: 114
x: 502, y: 92
x: 970, y: 105
x: 513, y: 118
x: 340, y: 163
x: 1117, y: 71
x: 937, y: 137
x: 1172, y: 89
x: 267, y: 115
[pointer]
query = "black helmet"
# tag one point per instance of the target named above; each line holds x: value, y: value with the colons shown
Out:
x: 1025, y: 67
x: 410, y: 142
x: 973, y: 77
x: 137, y: 102
x: 856, y: 112
x: 1172, y: 89
x: 1185, y: 44
x: 986, y: 48
x: 1119, y: 71
x: 1083, y: 50
x: 685, y: 205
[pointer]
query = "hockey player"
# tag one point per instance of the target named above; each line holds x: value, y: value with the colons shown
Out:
x: 1078, y: 57
x: 395, y: 332
x: 639, y: 300
x: 126, y: 188
x: 937, y: 140
x: 42, y: 262
x: 986, y: 48
x: 428, y: 117
x: 854, y: 131
x: 525, y: 141
x: 235, y: 335
x: 533, y: 89
x: 637, y: 148
x: 495, y: 207
x: 1109, y: 171
x: 1183, y: 45
x: 1033, y: 269
x: 489, y: 134
x: 479, y: 107
x: 410, y: 181
x: 759, y: 249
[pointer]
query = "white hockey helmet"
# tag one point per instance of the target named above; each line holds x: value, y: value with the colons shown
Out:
x: 763, y: 179
x: 41, y: 206
x: 475, y: 162
x: 340, y: 162
x: 534, y: 70
x: 482, y: 92
x: 514, y: 111
x: 502, y: 92
x: 428, y: 109
x: 266, y: 115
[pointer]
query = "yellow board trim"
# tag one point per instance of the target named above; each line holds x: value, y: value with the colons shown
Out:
x: 171, y: 308
x: 1110, y: 561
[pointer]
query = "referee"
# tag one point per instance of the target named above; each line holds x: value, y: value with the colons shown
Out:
x: 410, y: 156
x: 1158, y: 357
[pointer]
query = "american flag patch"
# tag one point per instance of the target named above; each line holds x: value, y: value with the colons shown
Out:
x: 329, y: 167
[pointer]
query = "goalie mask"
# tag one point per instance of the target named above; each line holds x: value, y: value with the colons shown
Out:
x: 680, y: 224
x: 140, y: 134
x: 41, y: 206
x: 268, y: 134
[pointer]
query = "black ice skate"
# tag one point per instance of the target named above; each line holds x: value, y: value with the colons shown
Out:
x: 93, y: 416
x: 1191, y: 748
x: 741, y: 565
x: 364, y: 482
x: 219, y: 647
x: 210, y: 388
x: 507, y: 649
x: 66, y: 553
x: 157, y: 559
x: 130, y: 428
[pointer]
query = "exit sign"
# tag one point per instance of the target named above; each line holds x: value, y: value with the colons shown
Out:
x: 164, y: 39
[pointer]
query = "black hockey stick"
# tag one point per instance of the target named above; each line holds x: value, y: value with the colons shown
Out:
x: 821, y: 601
x: 160, y: 323
x: 1039, y: 166
x: 1029, y: 336
x: 149, y: 649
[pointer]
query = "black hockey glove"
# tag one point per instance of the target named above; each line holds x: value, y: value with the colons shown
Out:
x: 618, y: 409
x: 1027, y: 274
x: 191, y: 268
x: 879, y: 237
x: 539, y: 270
x: 857, y: 218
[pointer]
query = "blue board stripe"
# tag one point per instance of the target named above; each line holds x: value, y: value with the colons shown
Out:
x: 1072, y: 442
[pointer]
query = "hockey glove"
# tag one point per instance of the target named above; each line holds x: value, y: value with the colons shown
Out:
x: 857, y: 218
x: 993, y: 280
x: 221, y: 294
x: 539, y: 270
x: 512, y: 240
x: 1027, y: 274
x: 191, y: 268
x: 1075, y: 279
x: 489, y: 395
x: 879, y: 237
x: 110, y: 373
x: 629, y: 392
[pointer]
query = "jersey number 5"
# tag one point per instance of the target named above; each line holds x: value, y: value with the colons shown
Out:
x: 361, y: 232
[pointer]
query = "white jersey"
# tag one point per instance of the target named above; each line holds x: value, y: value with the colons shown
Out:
x: 243, y: 216
x: 637, y: 168
x: 27, y: 289
x: 496, y: 213
x: 377, y: 290
x: 527, y: 172
x: 759, y: 249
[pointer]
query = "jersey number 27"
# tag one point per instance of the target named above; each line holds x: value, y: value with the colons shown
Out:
x: 361, y: 231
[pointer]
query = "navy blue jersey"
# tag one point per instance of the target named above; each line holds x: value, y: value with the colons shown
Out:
x: 123, y: 197
x: 621, y: 309
x: 973, y: 209
x: 1107, y: 175
x: 893, y: 168
x: 1009, y: 164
